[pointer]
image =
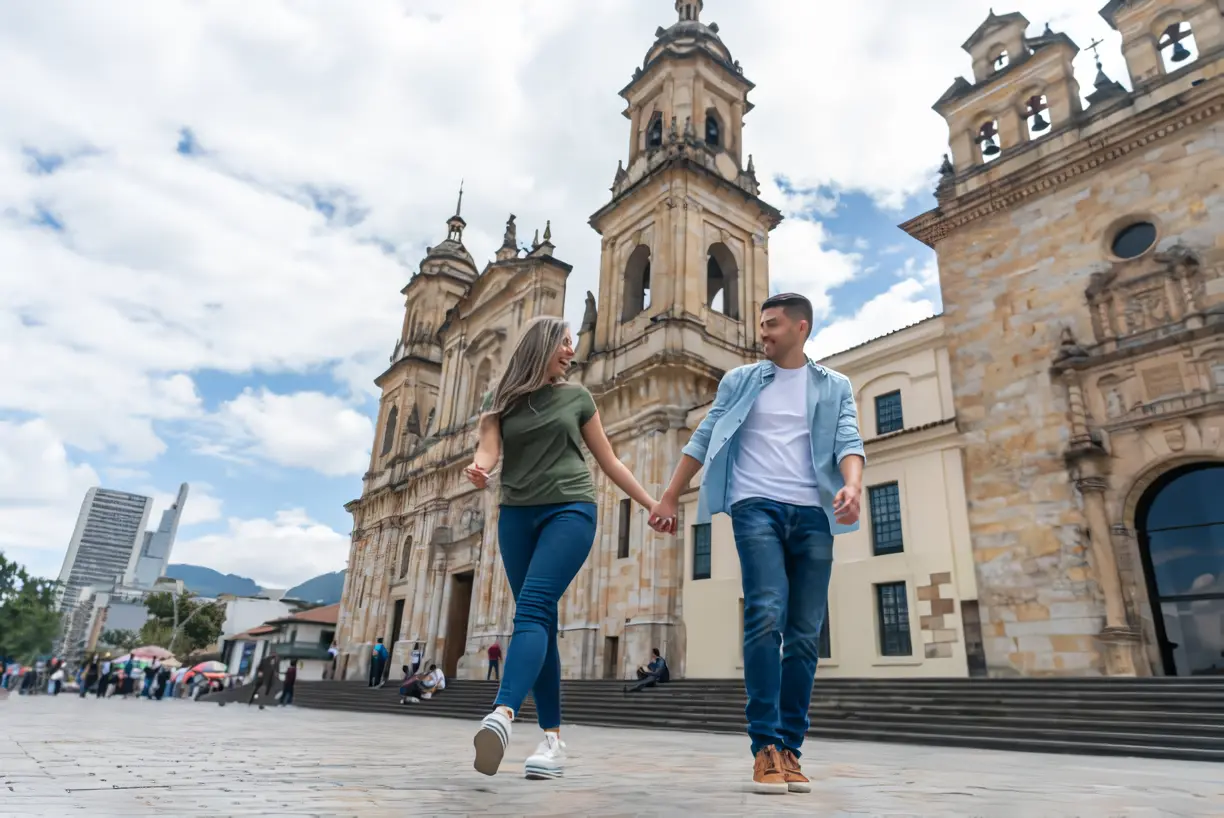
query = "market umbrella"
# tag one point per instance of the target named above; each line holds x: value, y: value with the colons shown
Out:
x: 211, y: 667
x: 151, y: 652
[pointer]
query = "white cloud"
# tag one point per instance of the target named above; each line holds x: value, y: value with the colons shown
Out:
x: 908, y: 301
x: 168, y: 264
x: 306, y: 430
x: 276, y: 553
x: 41, y: 490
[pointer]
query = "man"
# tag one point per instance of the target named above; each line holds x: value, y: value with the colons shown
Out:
x: 265, y: 675
x: 104, y: 677
x: 654, y: 673
x: 150, y: 673
x: 494, y: 662
x: 783, y: 456
x: 378, y: 660
x: 416, y: 658
x: 287, y: 685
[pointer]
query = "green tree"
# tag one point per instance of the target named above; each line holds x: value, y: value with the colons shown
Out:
x: 29, y: 621
x: 121, y: 640
x: 182, y: 625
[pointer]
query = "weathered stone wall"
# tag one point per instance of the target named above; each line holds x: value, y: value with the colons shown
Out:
x: 1011, y: 282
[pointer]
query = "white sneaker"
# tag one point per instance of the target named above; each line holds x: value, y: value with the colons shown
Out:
x: 548, y: 761
x: 491, y: 742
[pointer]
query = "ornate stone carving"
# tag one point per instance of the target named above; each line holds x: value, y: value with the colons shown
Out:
x: 1175, y: 436
x: 510, y: 239
x: 1144, y: 296
x: 589, y: 315
x: 1087, y: 485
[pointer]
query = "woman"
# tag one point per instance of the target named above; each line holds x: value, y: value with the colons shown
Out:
x: 537, y: 423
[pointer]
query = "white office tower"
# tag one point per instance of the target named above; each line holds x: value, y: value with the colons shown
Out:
x: 155, y: 550
x: 105, y: 543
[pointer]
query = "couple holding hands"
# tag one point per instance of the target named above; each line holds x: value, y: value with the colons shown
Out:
x: 782, y: 455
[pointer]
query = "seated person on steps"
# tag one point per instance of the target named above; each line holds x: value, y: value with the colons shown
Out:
x: 423, y: 685
x: 654, y: 673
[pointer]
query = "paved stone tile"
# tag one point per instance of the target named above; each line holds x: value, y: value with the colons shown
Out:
x: 68, y: 756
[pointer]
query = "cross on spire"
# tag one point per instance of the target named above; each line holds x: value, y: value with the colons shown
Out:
x: 1095, y: 46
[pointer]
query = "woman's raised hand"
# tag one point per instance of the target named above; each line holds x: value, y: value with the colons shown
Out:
x: 477, y: 476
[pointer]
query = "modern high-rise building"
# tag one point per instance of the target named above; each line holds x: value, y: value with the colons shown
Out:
x: 112, y: 564
x: 155, y: 550
x: 105, y: 544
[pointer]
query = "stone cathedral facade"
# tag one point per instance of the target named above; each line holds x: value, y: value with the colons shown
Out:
x: 683, y: 272
x: 1081, y: 257
x: 1045, y: 460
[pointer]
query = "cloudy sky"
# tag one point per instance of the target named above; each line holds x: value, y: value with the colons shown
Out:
x: 208, y: 208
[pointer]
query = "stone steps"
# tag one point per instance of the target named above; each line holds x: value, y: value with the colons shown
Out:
x: 1159, y: 718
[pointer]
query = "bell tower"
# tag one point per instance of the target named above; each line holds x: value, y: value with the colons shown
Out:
x: 684, y: 269
x: 684, y: 257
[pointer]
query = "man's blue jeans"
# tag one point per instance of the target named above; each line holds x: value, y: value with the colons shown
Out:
x: 786, y: 557
x: 542, y: 550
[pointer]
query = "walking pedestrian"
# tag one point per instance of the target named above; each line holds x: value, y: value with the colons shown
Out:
x: 494, y: 655
x: 289, y: 681
x: 378, y: 661
x: 537, y: 424
x: 782, y: 454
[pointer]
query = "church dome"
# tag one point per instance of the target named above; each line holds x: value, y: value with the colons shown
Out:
x: 689, y: 34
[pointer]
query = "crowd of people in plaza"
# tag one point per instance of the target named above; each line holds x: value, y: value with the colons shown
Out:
x: 102, y: 677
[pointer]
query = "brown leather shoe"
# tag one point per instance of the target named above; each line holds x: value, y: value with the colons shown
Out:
x: 796, y: 781
x: 768, y: 777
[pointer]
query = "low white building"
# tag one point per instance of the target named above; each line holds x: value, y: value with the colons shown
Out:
x: 304, y: 636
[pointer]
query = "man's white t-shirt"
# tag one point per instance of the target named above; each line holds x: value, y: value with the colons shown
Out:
x: 774, y: 455
x: 439, y: 680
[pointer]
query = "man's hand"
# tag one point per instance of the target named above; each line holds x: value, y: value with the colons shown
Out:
x: 846, y: 505
x: 663, y: 515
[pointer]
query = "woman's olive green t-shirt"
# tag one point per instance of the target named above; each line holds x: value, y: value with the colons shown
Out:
x: 542, y: 460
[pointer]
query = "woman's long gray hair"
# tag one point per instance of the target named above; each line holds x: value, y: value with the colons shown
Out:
x: 527, y: 370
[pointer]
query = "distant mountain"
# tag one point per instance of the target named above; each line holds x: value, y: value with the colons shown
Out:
x: 323, y: 590
x: 209, y: 583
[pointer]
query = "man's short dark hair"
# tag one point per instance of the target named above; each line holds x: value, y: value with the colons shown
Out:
x: 796, y: 306
x: 433, y: 667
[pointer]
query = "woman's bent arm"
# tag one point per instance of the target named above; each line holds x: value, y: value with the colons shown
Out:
x: 601, y: 448
x: 488, y: 450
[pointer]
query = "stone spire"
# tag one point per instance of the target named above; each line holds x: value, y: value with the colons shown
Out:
x: 455, y: 223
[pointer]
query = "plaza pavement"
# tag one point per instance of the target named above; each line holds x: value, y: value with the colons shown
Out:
x: 64, y: 756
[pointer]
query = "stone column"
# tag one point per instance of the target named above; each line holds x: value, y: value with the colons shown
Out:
x: 736, y: 128
x: 435, y: 614
x: 635, y: 117
x: 1118, y: 637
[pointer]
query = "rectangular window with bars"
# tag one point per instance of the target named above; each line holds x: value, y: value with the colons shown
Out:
x: 892, y: 609
x: 885, y: 505
x: 622, y: 543
x: 701, y: 551
x: 888, y: 413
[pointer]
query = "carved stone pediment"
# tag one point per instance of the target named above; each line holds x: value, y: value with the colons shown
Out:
x: 485, y: 340
x: 1140, y: 300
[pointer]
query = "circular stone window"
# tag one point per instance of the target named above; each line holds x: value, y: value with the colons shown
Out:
x: 1134, y: 240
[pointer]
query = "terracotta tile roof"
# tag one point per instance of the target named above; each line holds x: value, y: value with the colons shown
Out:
x: 261, y: 630
x: 326, y: 615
